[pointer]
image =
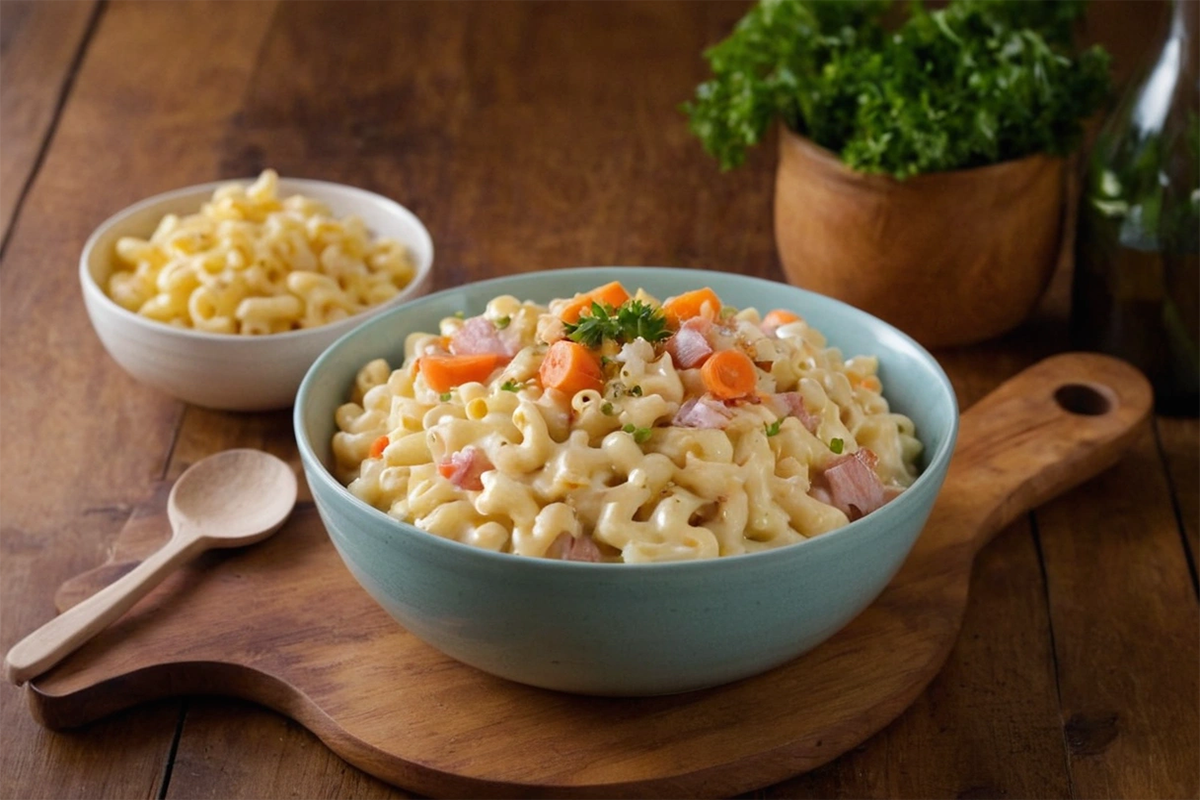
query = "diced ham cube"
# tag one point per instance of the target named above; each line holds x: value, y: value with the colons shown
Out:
x: 571, y: 548
x: 851, y: 485
x: 702, y: 412
x: 689, y: 347
x: 479, y: 336
x: 464, y: 468
x: 791, y: 404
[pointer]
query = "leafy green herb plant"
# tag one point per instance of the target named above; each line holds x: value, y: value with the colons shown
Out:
x: 975, y: 83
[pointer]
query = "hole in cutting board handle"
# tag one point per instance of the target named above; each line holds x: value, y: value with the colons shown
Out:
x: 1084, y: 399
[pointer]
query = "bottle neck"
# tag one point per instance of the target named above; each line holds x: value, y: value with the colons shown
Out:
x: 1172, y: 67
x: 1186, y: 29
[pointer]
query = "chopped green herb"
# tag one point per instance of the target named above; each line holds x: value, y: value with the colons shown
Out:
x: 607, y: 409
x: 837, y: 445
x: 640, y: 435
x: 641, y: 321
x: 728, y: 312
x: 459, y: 315
x: 605, y: 361
x: 633, y: 320
x: 511, y: 386
x: 504, y: 322
x: 636, y: 391
x: 772, y: 429
x: 445, y: 397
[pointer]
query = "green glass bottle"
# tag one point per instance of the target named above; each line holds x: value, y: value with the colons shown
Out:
x: 1136, y: 287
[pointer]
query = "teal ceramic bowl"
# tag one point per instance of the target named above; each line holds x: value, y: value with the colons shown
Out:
x: 626, y: 629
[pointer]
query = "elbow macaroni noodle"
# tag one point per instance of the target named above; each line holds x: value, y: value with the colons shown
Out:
x: 251, y: 262
x: 568, y: 466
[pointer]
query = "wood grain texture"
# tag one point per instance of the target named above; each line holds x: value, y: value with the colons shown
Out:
x: 82, y: 440
x: 234, y: 498
x: 1126, y: 633
x: 989, y: 723
x: 527, y: 135
x: 990, y: 267
x: 545, y: 162
x: 285, y: 625
x: 39, y: 44
x: 996, y: 694
x: 1179, y: 439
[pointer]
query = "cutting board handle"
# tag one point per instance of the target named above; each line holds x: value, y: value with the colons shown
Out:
x: 1044, y: 431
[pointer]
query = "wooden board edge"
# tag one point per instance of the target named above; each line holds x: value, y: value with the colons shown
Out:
x: 179, y: 679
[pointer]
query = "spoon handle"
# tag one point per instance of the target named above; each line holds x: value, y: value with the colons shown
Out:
x: 46, y: 646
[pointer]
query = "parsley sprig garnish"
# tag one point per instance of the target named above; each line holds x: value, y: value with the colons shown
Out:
x: 633, y: 320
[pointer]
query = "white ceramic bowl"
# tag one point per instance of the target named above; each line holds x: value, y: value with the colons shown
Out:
x: 224, y: 371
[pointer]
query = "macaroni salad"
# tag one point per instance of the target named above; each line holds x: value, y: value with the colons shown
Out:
x: 610, y: 427
x: 251, y: 262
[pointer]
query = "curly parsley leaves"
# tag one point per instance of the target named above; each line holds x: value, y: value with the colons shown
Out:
x: 633, y: 320
x: 976, y: 82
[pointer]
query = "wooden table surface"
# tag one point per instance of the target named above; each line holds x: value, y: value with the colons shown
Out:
x: 527, y: 136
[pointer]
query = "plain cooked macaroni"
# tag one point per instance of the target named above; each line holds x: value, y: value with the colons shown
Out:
x: 477, y: 438
x: 251, y: 262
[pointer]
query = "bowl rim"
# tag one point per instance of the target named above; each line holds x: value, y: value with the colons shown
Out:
x: 96, y: 293
x: 935, y: 470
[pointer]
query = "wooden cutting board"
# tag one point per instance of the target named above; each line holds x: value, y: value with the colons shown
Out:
x: 284, y: 624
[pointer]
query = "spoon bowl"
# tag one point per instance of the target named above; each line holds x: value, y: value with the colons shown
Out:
x: 231, y: 499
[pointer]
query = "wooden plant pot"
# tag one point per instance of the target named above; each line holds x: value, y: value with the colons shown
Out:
x: 950, y: 258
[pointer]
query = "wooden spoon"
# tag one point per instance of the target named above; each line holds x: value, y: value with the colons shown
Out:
x: 233, y: 498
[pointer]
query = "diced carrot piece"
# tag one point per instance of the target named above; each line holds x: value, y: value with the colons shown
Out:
x: 778, y: 317
x: 573, y: 310
x: 570, y: 367
x: 729, y: 374
x: 447, y: 469
x: 698, y: 303
x: 443, y: 373
x: 378, y: 446
x: 612, y: 294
